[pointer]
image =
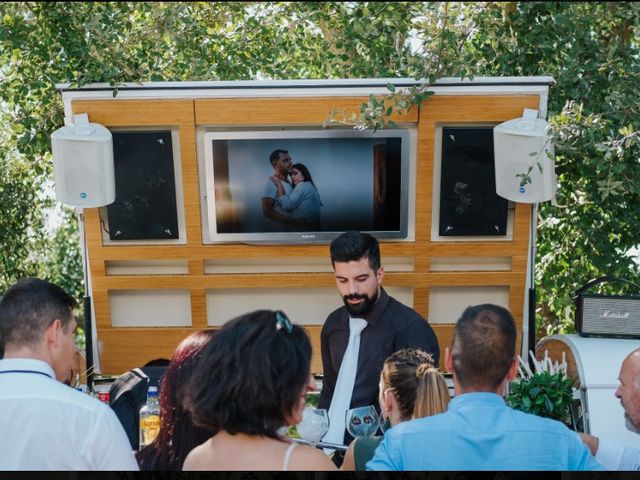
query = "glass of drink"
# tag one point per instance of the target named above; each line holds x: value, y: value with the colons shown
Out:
x: 362, y: 421
x: 314, y: 424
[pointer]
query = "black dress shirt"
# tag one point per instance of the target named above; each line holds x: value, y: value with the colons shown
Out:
x: 392, y: 326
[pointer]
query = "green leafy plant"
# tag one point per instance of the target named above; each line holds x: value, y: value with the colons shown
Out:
x: 547, y: 391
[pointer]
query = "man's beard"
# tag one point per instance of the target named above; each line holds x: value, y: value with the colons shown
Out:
x: 360, y: 308
x: 630, y: 425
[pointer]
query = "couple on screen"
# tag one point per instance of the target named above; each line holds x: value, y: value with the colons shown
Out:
x: 289, y: 196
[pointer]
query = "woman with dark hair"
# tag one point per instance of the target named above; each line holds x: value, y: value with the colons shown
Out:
x: 304, y: 200
x: 251, y: 382
x: 410, y: 387
x: 178, y: 434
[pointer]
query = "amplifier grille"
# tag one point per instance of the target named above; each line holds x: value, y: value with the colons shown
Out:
x: 610, y: 316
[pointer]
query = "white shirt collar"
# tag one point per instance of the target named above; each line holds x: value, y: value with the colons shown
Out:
x: 27, y: 365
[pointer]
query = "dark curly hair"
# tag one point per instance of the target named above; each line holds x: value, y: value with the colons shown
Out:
x: 250, y: 376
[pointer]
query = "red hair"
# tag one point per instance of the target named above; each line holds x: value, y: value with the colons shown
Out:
x: 178, y: 434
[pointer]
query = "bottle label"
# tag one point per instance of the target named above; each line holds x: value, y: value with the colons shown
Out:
x: 103, y: 397
x: 149, y: 428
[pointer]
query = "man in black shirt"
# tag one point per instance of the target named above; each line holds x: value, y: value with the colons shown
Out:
x: 390, y: 326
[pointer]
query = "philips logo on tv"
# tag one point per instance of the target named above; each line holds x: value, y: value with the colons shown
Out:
x: 308, y: 236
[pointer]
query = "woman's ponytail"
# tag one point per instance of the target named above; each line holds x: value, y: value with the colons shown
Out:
x: 432, y: 393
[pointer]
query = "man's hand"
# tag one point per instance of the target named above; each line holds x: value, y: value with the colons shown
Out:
x: 269, y: 212
x: 278, y: 183
x: 590, y: 441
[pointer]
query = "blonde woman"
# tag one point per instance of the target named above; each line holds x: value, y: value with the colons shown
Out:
x: 410, y: 387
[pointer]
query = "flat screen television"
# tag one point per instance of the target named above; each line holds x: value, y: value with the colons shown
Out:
x: 360, y: 176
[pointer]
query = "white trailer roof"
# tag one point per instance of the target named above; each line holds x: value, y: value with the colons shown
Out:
x: 303, y: 88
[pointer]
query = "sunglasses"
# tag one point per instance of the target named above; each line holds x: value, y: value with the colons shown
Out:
x: 283, y: 322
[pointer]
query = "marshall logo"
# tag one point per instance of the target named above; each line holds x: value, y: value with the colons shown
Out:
x: 610, y: 314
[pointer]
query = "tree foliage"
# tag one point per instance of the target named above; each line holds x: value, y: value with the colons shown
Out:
x: 591, y: 49
x: 44, y: 43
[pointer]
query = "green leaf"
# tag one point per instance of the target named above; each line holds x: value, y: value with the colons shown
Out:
x: 548, y: 404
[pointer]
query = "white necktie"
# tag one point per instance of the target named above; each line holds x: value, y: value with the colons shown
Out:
x: 344, y: 385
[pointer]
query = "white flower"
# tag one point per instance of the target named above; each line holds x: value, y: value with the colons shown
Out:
x: 544, y: 365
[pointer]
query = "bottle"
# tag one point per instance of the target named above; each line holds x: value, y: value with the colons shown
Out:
x: 102, y: 393
x: 149, y: 418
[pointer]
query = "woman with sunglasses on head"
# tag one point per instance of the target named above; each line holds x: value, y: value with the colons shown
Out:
x: 249, y: 385
x: 410, y: 387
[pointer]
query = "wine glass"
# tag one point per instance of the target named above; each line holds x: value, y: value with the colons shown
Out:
x: 362, y: 421
x: 314, y: 424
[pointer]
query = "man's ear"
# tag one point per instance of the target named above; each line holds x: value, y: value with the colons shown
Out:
x: 448, y: 360
x: 380, y: 274
x: 513, y: 369
x: 51, y: 334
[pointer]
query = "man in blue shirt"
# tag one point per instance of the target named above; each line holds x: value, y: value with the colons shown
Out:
x: 479, y: 431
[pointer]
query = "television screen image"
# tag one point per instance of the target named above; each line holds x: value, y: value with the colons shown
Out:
x: 320, y: 183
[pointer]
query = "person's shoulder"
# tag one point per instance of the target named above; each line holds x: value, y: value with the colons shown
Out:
x: 333, y: 320
x: 433, y: 424
x: 75, y: 400
x: 330, y: 323
x: 304, y: 457
x: 268, y: 185
x: 404, y: 313
x: 335, y: 315
x: 431, y: 430
x: 542, y: 424
x: 194, y: 459
x: 88, y: 402
x: 364, y: 447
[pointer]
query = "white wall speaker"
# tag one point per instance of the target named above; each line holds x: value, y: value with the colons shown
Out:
x: 83, y: 164
x: 519, y: 144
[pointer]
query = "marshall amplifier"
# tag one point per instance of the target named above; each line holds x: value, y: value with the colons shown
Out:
x: 616, y: 316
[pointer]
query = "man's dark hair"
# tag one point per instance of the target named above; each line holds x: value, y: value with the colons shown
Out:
x: 352, y: 245
x: 250, y: 377
x: 275, y: 155
x: 29, y: 307
x: 483, y: 346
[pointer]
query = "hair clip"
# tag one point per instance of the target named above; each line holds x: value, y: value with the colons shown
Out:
x: 282, y: 321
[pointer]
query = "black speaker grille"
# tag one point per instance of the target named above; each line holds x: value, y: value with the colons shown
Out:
x: 145, y: 206
x: 469, y: 204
